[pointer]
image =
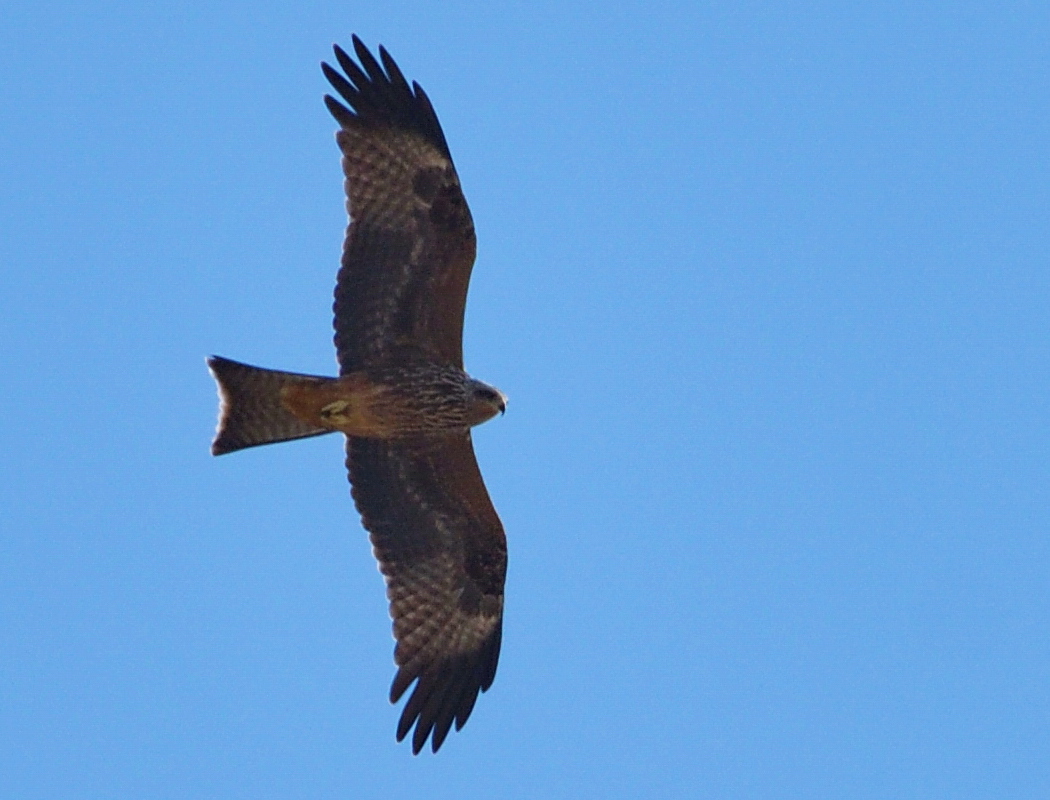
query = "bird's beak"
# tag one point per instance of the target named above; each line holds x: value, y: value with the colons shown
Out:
x: 502, y: 404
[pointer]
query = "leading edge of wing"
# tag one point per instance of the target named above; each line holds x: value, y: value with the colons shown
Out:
x: 379, y: 95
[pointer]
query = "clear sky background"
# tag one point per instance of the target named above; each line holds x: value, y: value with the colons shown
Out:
x: 768, y: 288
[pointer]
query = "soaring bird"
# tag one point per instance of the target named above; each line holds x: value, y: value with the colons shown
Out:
x: 402, y: 398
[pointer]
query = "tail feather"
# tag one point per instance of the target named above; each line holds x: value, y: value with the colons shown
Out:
x: 250, y: 408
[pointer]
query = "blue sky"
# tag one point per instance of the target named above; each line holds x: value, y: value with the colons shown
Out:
x: 768, y: 288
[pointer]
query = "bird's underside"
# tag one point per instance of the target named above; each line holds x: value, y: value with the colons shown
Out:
x: 402, y: 398
x: 397, y: 400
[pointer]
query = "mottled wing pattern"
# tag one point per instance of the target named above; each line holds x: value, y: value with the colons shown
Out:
x: 441, y: 547
x: 410, y: 245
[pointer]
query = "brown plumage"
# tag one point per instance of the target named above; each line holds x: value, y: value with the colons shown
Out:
x: 402, y: 397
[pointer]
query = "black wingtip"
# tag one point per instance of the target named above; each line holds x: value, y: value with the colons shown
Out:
x: 339, y: 111
x: 377, y: 93
x: 443, y: 698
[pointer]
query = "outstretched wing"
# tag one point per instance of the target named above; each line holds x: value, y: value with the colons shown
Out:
x: 441, y: 547
x: 410, y: 245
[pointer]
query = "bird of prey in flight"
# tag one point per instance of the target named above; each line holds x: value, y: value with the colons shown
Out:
x: 402, y: 397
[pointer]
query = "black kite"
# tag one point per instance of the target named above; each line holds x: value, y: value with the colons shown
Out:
x: 402, y: 398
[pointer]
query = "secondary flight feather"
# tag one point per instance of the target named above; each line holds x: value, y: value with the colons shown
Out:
x: 402, y: 398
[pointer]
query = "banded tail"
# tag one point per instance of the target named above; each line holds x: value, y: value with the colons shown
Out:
x: 251, y: 411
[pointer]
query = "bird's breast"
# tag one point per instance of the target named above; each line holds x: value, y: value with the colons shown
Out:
x: 378, y: 406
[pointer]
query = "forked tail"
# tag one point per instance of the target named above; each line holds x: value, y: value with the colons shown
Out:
x: 250, y: 408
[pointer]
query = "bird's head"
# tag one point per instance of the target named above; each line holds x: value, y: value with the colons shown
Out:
x: 485, y: 402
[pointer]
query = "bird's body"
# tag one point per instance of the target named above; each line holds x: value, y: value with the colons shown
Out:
x: 393, y: 401
x: 402, y: 397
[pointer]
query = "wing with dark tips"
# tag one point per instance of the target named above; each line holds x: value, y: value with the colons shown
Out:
x: 410, y: 245
x: 441, y: 548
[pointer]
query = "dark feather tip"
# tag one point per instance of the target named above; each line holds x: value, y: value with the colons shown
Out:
x: 378, y: 94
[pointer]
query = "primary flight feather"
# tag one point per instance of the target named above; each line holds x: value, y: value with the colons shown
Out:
x: 402, y: 397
